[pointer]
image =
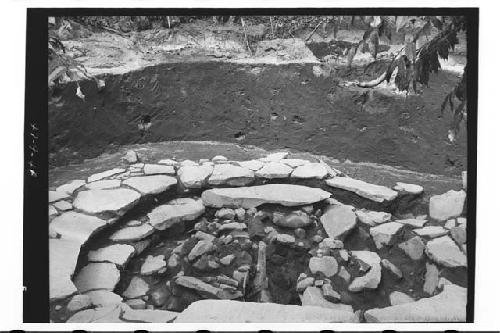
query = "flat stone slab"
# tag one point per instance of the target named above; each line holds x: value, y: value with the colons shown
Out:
x: 58, y: 195
x: 233, y: 175
x: 372, y: 278
x: 97, y: 276
x: 176, y: 211
x: 151, y: 184
x: 408, y: 188
x: 225, y: 311
x: 103, y: 184
x: 132, y: 233
x: 448, y: 306
x: 71, y: 187
x: 63, y: 256
x: 253, y: 165
x: 194, y: 176
x: 310, y: 170
x: 338, y: 221
x: 416, y: 223
x: 154, y: 169
x: 102, y: 201
x: 118, y: 254
x: 249, y: 197
x: 431, y: 231
x: 76, y: 226
x: 382, y: 234
x: 447, y: 205
x: 325, y: 264
x: 274, y: 170
x: 105, y: 174
x: 372, y: 218
x: 444, y: 251
x: 149, y: 316
x: 373, y: 192
x: 106, y: 314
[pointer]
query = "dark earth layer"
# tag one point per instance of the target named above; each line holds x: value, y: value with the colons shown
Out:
x: 269, y: 106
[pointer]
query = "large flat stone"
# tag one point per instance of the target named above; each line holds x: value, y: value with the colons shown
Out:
x: 248, y: 197
x: 63, y: 256
x: 233, y: 175
x: 105, y: 174
x: 194, y: 176
x: 97, y: 276
x: 152, y: 169
x: 310, y: 170
x: 71, y: 187
x: 118, y: 254
x: 132, y: 233
x: 151, y: 184
x: 225, y: 311
x: 58, y: 195
x: 447, y: 205
x: 373, y: 192
x: 76, y: 226
x: 274, y: 170
x: 176, y: 211
x: 102, y: 201
x: 338, y: 221
x: 448, y: 306
x: 103, y: 184
x: 383, y: 234
x: 444, y: 251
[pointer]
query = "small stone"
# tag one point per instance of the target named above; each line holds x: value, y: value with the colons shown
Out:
x: 459, y: 234
x: 330, y: 243
x: 136, y: 303
x: 52, y: 211
x: 194, y: 176
x: 240, y: 214
x: 225, y: 213
x: 153, y: 264
x: 317, y: 238
x: 310, y: 170
x: 79, y: 302
x: 219, y: 158
x: 450, y: 224
x: 397, y: 297
x: 57, y: 195
x: 202, y: 247
x: 131, y: 157
x: 431, y: 279
x: 326, y: 265
x: 329, y: 294
x: 344, y: 255
x: 414, y: 248
x: 447, y: 205
x: 344, y: 274
x: 137, y: 288
x: 226, y: 261
x: 285, y: 239
x: 392, y: 268
x: 431, y: 231
x: 294, y: 220
x: 275, y: 157
x: 304, y: 283
x: 372, y: 218
x: 300, y: 233
x: 63, y: 205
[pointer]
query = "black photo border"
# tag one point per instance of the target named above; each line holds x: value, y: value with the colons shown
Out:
x: 35, y: 228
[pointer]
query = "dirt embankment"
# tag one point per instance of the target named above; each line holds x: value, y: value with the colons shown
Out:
x: 284, y: 106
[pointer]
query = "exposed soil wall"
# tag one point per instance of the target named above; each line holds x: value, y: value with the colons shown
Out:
x: 284, y: 106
